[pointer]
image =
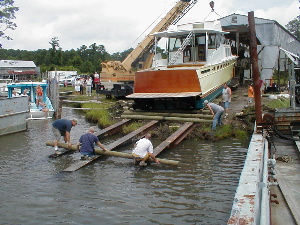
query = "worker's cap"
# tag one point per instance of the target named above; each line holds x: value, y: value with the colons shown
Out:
x: 75, y: 120
x: 205, y: 102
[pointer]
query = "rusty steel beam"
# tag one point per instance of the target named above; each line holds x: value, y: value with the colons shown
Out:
x: 175, y: 138
x: 255, y: 70
x: 113, y: 129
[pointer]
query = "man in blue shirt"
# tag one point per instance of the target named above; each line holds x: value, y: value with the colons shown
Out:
x: 87, y: 142
x: 62, y: 127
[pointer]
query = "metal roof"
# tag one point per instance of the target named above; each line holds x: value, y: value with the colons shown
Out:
x: 186, y: 32
x: 16, y: 64
x: 17, y: 72
x: 237, y: 19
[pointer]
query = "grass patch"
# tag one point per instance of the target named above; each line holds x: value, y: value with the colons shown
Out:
x: 240, y: 134
x: 102, y: 117
x: 224, y: 131
x: 279, y: 103
x: 131, y: 127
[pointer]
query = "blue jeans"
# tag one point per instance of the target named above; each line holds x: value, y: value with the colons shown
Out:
x: 217, y: 119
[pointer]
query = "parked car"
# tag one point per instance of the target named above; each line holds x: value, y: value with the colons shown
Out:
x: 66, y: 82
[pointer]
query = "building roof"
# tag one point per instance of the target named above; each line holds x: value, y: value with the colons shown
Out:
x: 16, y: 64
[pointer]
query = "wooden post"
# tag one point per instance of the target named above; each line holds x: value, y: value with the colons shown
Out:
x: 110, y: 153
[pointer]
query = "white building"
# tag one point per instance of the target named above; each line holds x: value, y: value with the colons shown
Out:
x: 18, y: 70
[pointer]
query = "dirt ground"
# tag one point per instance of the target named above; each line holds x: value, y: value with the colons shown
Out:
x: 239, y: 101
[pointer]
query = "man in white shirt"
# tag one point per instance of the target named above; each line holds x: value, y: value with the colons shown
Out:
x: 88, y: 86
x: 143, y: 149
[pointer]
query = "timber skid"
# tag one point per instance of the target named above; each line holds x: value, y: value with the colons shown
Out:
x: 170, y: 142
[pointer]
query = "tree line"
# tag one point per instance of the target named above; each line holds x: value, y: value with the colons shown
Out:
x: 85, y: 59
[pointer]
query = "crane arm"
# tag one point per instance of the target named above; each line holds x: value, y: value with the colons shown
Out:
x: 172, y: 17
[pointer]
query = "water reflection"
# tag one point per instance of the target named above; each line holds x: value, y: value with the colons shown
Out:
x: 110, y: 191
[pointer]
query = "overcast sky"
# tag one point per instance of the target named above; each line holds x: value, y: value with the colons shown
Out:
x: 117, y: 24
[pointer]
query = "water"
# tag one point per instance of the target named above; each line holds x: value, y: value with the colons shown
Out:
x: 111, y: 191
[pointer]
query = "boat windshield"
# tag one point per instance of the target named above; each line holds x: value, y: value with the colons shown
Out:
x: 195, y: 48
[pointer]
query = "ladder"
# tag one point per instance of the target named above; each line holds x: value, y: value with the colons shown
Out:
x: 182, y: 47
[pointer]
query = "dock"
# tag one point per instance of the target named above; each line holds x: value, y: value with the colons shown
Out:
x: 268, y: 191
x: 287, y: 173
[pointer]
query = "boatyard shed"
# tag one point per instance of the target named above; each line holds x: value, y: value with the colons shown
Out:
x: 275, y: 43
x: 18, y: 70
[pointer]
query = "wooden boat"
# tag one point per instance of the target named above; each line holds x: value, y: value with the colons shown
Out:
x: 34, y: 111
x: 199, y: 62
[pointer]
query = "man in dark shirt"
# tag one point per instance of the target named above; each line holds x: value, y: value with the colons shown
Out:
x: 62, y: 127
x: 87, y: 142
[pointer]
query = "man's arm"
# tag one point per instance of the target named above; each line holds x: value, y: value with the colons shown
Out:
x: 154, y: 158
x: 101, y: 146
x: 67, y: 138
x: 210, y: 109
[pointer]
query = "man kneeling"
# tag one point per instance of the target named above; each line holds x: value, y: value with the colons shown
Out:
x: 87, y: 142
x: 143, y: 149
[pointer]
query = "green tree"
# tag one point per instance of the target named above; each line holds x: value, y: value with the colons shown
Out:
x: 87, y: 67
x: 294, y: 27
x: 55, y: 52
x: 7, y: 14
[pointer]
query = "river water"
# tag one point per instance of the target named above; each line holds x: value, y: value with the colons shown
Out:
x: 111, y: 191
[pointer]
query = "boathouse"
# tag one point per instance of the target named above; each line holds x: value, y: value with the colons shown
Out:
x: 18, y: 70
x: 275, y: 44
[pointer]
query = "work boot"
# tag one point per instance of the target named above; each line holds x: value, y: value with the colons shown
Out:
x: 143, y: 163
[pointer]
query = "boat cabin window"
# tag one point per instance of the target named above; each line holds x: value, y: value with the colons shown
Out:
x: 174, y: 44
x: 200, y: 42
x: 214, y: 41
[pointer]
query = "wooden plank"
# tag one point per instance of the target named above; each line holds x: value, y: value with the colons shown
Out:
x: 175, y: 138
x: 77, y: 165
x: 113, y: 129
x: 142, y: 130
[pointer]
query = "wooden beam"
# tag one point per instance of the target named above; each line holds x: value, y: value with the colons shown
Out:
x: 163, y: 114
x: 141, y: 131
x: 77, y: 165
x: 175, y: 138
x: 113, y: 129
x: 141, y: 117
